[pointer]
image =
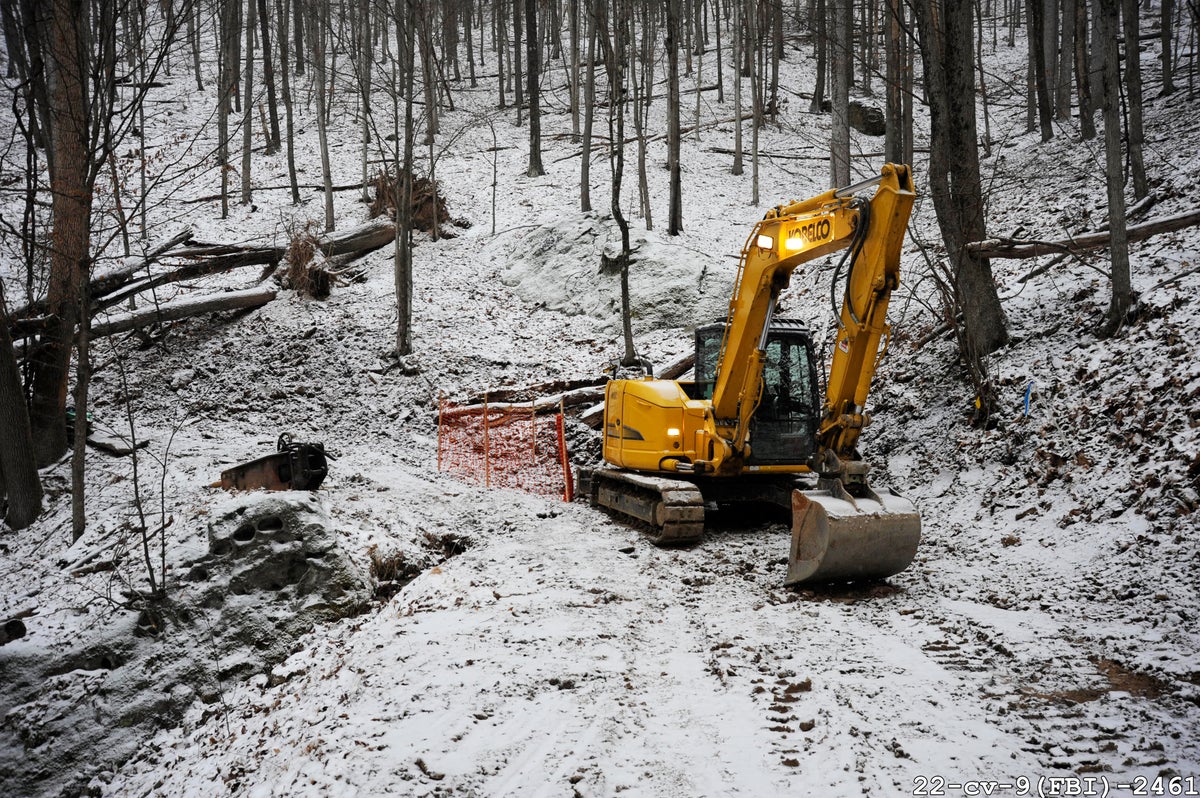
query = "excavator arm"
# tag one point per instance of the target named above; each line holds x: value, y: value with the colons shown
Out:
x: 871, y: 232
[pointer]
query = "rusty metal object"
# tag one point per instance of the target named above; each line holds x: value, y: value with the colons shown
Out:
x: 295, y: 466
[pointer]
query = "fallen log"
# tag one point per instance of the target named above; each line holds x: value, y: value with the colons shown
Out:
x: 545, y: 404
x: 101, y: 284
x: 184, y: 308
x: 528, y: 393
x: 1012, y: 248
x: 265, y: 256
x: 358, y: 241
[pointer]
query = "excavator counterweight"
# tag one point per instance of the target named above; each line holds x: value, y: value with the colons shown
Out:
x: 751, y: 426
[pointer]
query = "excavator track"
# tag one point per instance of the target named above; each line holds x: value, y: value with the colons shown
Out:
x: 672, y: 509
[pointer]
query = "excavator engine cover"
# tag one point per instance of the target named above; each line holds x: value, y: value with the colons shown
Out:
x: 836, y: 536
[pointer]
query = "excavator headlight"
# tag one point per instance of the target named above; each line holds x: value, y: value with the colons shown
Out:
x: 765, y: 242
x: 673, y: 432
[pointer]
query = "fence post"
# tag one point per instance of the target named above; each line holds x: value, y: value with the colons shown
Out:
x: 568, y: 481
x: 487, y: 454
x: 441, y: 406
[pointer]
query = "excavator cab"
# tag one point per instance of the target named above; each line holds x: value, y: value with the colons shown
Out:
x: 783, y: 431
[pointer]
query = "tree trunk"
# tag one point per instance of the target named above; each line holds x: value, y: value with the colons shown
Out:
x: 589, y: 114
x: 1166, y: 28
x: 954, y: 177
x: 573, y: 97
x: 1133, y: 85
x: 403, y: 251
x: 281, y: 11
x: 756, y: 96
x: 641, y: 79
x: 227, y: 87
x: 738, y: 41
x: 320, y: 35
x: 429, y: 70
x: 1010, y: 248
x: 193, y: 35
x: 248, y: 103
x: 820, y: 33
x: 181, y: 309
x: 18, y: 467
x: 839, y: 141
x: 614, y: 60
x: 70, y: 227
x: 1062, y: 84
x: 533, y: 50
x: 675, y: 214
x: 501, y: 44
x: 1087, y: 126
x: 893, y: 142
x: 366, y: 60
x: 1038, y: 52
x: 1122, y: 294
x: 518, y: 98
x: 299, y: 17
x: 269, y: 76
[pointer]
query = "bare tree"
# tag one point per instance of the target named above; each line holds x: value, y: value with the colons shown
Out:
x: 641, y: 80
x: 893, y: 143
x: 281, y: 12
x: 73, y: 148
x: 533, y: 50
x: 675, y: 215
x: 819, y: 23
x: 1040, y: 91
x: 319, y: 36
x: 589, y: 109
x: 1135, y: 134
x: 19, y: 481
x: 614, y: 43
x: 226, y: 90
x: 1107, y: 12
x: 1087, y: 127
x: 406, y: 24
x: 947, y: 38
x: 269, y: 76
x: 839, y: 142
x: 1166, y: 26
x: 738, y: 46
x: 248, y: 103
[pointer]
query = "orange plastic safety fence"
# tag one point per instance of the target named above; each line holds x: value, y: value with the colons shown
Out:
x: 505, y: 447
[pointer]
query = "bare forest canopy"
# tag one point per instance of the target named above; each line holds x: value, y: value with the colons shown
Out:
x: 85, y: 191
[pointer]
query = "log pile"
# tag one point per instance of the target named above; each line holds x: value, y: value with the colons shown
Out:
x: 181, y: 258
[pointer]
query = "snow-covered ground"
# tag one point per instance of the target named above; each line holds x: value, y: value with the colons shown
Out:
x: 1046, y: 629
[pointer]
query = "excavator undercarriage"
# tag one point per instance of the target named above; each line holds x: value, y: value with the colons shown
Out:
x: 834, y: 536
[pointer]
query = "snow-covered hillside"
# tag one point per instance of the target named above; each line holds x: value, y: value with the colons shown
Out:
x: 1046, y: 629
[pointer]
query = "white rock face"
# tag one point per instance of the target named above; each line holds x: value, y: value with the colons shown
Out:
x: 561, y: 268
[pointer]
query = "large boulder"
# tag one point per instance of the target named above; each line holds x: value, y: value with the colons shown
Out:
x: 867, y: 119
x: 273, y: 568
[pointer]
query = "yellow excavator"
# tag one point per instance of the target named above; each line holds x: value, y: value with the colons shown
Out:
x: 750, y: 426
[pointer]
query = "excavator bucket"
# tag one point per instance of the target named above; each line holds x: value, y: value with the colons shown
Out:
x: 837, y: 537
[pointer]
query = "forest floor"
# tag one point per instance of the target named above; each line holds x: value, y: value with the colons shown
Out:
x: 1046, y: 629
